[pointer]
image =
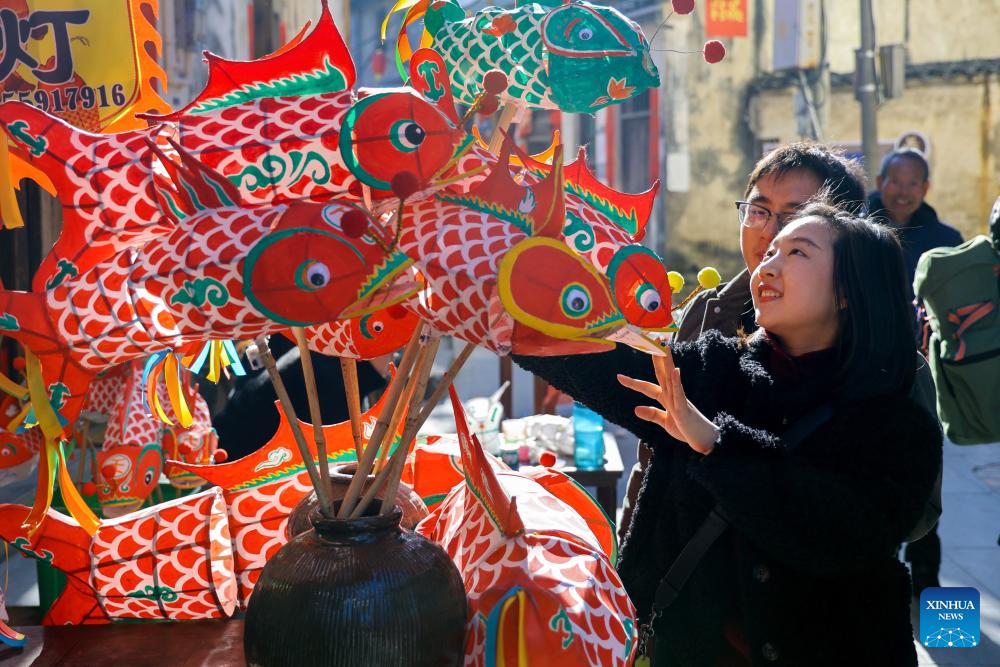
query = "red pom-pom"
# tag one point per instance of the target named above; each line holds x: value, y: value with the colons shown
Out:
x: 405, y: 184
x: 495, y: 82
x: 682, y: 6
x: 18, y: 364
x: 220, y: 456
x: 354, y: 223
x: 397, y: 312
x: 88, y: 489
x: 547, y: 459
x: 186, y: 449
x: 714, y: 51
x: 489, y: 105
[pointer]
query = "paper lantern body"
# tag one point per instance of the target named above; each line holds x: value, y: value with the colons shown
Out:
x: 172, y: 561
x: 366, y: 336
x: 536, y: 576
x: 576, y: 57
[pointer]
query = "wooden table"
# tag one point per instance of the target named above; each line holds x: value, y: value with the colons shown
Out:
x: 604, y: 480
x: 183, y: 644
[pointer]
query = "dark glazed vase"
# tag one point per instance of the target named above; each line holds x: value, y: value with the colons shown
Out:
x: 357, y: 592
x: 414, y: 509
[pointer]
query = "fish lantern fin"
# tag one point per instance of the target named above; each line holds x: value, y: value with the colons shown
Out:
x: 308, y: 65
x: 481, y: 477
x: 429, y: 77
x: 192, y: 187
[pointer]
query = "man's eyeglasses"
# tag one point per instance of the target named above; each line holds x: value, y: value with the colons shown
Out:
x: 754, y: 216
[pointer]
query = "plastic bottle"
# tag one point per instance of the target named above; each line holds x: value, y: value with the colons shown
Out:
x: 588, y: 438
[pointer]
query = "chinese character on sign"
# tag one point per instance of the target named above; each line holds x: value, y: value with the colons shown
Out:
x: 726, y: 18
x: 16, y: 32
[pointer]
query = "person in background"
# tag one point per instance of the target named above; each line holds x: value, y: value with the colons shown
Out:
x: 779, y: 185
x: 903, y: 182
x: 249, y: 417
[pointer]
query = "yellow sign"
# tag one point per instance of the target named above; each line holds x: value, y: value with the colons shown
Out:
x: 85, y: 61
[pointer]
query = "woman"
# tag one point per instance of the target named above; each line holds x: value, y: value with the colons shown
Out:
x: 806, y: 573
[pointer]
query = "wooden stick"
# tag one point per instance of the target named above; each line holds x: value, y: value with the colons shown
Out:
x: 349, y: 371
x: 397, y: 414
x: 395, y: 472
x: 315, y: 413
x: 398, y: 458
x: 392, y: 393
x: 446, y: 380
x: 503, y: 124
x: 322, y: 490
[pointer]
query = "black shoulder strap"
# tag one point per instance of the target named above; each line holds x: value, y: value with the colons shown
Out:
x: 716, y: 523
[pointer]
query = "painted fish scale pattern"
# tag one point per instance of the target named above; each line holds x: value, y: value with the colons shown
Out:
x: 169, y: 562
x: 112, y: 188
x: 460, y: 252
x: 204, y: 256
x: 129, y: 307
x: 103, y: 395
x: 559, y: 570
x: 588, y: 231
x: 275, y: 149
x: 129, y: 423
x: 334, y: 339
x: 97, y: 317
x: 470, y: 53
x: 258, y: 518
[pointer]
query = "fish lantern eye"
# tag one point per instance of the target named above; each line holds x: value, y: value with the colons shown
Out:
x: 148, y: 477
x: 585, y: 34
x: 576, y: 301
x: 312, y: 275
x: 378, y: 327
x: 649, y: 298
x: 407, y: 135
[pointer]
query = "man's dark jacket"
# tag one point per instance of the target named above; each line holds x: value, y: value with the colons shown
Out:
x: 924, y: 232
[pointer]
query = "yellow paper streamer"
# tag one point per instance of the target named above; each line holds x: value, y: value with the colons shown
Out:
x: 175, y: 392
x: 75, y: 503
x: 14, y: 423
x: 12, y: 388
x: 51, y: 458
x: 9, y: 210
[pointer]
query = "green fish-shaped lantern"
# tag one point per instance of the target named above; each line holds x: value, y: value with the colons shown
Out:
x: 574, y: 57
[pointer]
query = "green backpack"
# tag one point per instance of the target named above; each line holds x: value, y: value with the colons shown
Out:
x: 960, y: 291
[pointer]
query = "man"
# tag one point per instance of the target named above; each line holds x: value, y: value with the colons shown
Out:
x: 781, y: 182
x: 903, y: 182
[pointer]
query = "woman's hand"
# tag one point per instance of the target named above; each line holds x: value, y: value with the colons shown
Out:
x: 679, y: 417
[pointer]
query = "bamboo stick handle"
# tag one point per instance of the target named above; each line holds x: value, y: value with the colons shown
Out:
x: 503, y: 124
x: 349, y: 370
x: 396, y: 472
x: 397, y: 414
x: 322, y: 491
x: 315, y: 413
x: 422, y: 373
x: 392, y: 393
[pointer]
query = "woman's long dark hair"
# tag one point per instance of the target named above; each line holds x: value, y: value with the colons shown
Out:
x: 876, y: 347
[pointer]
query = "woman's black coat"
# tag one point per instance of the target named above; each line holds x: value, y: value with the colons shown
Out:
x: 808, y: 567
